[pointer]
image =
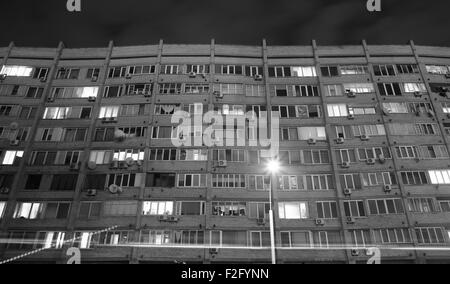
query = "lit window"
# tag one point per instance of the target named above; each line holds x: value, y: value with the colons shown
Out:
x: 16, y: 71
x: 28, y: 210
x: 293, y: 210
x: 9, y: 157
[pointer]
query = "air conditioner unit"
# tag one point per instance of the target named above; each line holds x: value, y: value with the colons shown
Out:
x: 350, y: 220
x: 123, y: 165
x: 14, y: 142
x: 163, y: 218
x: 346, y: 164
x: 43, y: 79
x: 355, y: 252
x: 258, y: 77
x: 261, y: 221
x: 347, y: 191
x: 418, y: 113
x: 320, y: 222
x: 447, y: 75
x: 350, y: 94
x: 222, y: 163
x: 340, y: 140
x: 351, y: 116
x: 371, y: 161
x: 50, y: 99
x: 365, y: 137
x: 173, y: 219
x: 192, y: 74
x: 139, y: 163
x: 3, y: 77
x: 382, y: 159
x: 94, y: 79
x: 417, y: 94
x: 5, y: 190
x: 312, y: 141
x: 213, y: 250
x: 128, y: 76
x: 113, y: 119
x: 91, y: 192
x: 218, y: 94
x: 430, y: 113
x: 92, y: 99
x: 387, y: 188
x: 74, y: 166
x: 114, y: 165
x: 147, y: 94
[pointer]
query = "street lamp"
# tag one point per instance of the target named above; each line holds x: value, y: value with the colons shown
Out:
x: 273, y: 167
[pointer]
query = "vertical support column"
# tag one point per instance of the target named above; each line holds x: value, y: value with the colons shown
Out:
x: 136, y: 251
x: 339, y: 191
x: 8, y: 53
x: 9, y: 211
x: 391, y: 146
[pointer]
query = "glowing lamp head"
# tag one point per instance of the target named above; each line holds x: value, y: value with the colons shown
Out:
x: 273, y: 166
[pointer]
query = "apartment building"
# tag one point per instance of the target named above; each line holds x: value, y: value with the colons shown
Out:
x: 87, y: 160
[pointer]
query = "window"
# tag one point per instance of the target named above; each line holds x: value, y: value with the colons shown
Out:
x: 368, y: 130
x: 281, y: 91
x: 392, y: 236
x: 125, y: 179
x: 362, y: 110
x: 353, y: 69
x: 68, y: 73
x: 33, y: 182
x: 2, y: 208
x: 189, y: 237
x: 379, y: 178
x: 193, y: 155
x: 304, y: 71
x: 74, y: 134
x: 379, y: 153
x: 385, y: 206
x: 258, y: 210
x: 162, y: 132
x: 230, y: 155
x: 163, y: 155
x: 329, y: 71
x: 293, y: 210
x: 158, y: 208
x: 75, y: 93
x: 414, y: 178
x: 120, y: 208
x: 255, y: 90
x: 360, y: 238
x: 197, y: 68
x: 414, y: 87
x: 123, y: 155
x: 63, y: 182
x: 258, y: 182
x: 117, y: 72
x: 141, y: 69
x: 155, y: 237
x: 345, y: 156
x: 439, y: 176
x: 101, y: 157
x: 191, y: 180
x: 166, y: 180
x: 170, y: 69
x: 109, y: 112
x: 228, y: 181
x: 305, y: 91
x: 16, y: 71
x: 259, y: 239
x: 190, y: 208
x: 170, y: 88
x: 10, y: 158
x: 288, y: 183
x: 85, y: 240
x: 34, y: 93
x: 354, y: 208
x: 337, y: 110
x: 95, y: 181
x: 57, y: 210
x: 253, y: 70
x: 325, y: 239
x: 333, y: 90
x: 422, y: 205
x: 414, y: 129
x: 28, y: 112
x: 92, y: 73
x: 296, y: 239
x: 114, y: 237
x: 384, y: 70
x: 444, y: 205
x: 89, y: 210
x: 306, y: 133
x: 40, y: 73
x: 8, y: 110
x: 316, y: 182
x: 407, y: 68
x: 430, y: 235
x: 229, y: 209
x: 229, y: 89
x: 231, y: 70
x: 406, y: 152
x: 350, y: 181
x: 133, y: 110
x: 327, y: 209
x: 138, y: 89
x: 437, y: 69
x: 28, y: 210
x: 359, y: 88
x: 389, y: 89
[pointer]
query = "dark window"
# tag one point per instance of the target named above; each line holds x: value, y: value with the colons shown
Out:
x: 33, y: 182
x: 160, y: 180
x: 95, y: 182
x: 65, y: 182
x: 6, y: 181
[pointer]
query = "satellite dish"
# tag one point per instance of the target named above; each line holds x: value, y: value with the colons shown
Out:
x: 113, y: 188
x: 91, y: 165
x: 14, y: 126
x: 129, y: 161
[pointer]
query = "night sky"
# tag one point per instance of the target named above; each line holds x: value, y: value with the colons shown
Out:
x: 281, y: 22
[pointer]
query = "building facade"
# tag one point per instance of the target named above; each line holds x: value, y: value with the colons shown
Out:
x: 87, y: 160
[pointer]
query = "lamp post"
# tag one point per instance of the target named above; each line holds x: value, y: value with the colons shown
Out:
x: 273, y: 167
